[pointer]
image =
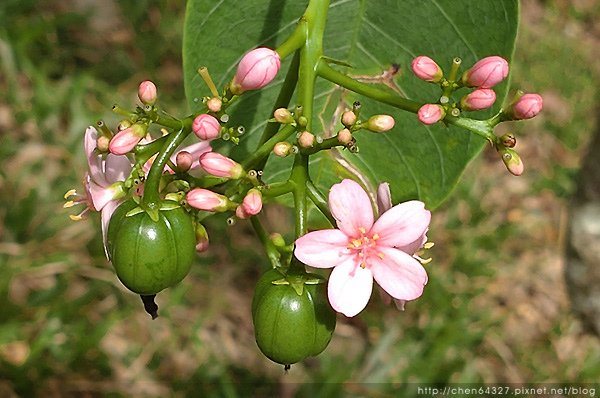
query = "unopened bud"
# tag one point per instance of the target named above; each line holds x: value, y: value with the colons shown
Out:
x: 344, y: 136
x: 527, y: 106
x: 102, y: 143
x: 479, y: 99
x: 201, y: 238
x: 511, y: 160
x: 125, y: 140
x: 147, y: 92
x: 221, y: 166
x: 349, y: 118
x: 282, y: 149
x: 214, y: 104
x: 379, y: 123
x: 206, y: 200
x: 486, y: 73
x: 206, y: 127
x: 306, y: 139
x: 431, y: 113
x: 251, y: 205
x: 283, y: 116
x: 124, y: 124
x: 184, y: 161
x: 426, y: 69
x: 256, y: 69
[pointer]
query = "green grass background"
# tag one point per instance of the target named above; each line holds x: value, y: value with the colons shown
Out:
x: 495, y: 309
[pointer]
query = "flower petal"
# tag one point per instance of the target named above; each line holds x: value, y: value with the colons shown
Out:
x: 414, y: 246
x: 402, y: 224
x: 116, y: 168
x: 399, y: 274
x: 351, y: 207
x: 384, y: 198
x: 350, y: 287
x: 196, y: 150
x: 325, y: 248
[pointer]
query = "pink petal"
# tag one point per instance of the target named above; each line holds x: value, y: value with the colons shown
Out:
x: 100, y: 195
x: 412, y: 247
x: 384, y: 197
x: 350, y: 288
x: 106, y: 214
x: 325, y: 248
x: 399, y: 274
x: 116, y: 168
x: 402, y: 224
x: 351, y: 207
x: 90, y: 140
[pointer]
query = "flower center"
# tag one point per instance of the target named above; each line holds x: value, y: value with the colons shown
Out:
x: 364, y: 247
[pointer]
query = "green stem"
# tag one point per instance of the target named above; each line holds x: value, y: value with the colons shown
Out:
x: 319, y: 200
x: 151, y: 187
x: 327, y: 143
x: 299, y: 177
x: 277, y: 189
x: 272, y: 253
x: 265, y: 149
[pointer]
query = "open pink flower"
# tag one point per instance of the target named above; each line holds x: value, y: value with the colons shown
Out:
x: 103, y: 188
x: 362, y: 249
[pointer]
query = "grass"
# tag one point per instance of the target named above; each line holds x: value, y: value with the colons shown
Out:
x: 495, y: 309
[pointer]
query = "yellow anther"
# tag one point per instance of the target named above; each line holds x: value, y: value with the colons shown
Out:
x: 70, y: 192
x: 362, y: 230
x: 375, y: 237
x: 363, y: 265
x: 68, y: 204
x: 361, y: 254
x: 381, y: 255
x: 428, y: 245
x: 75, y: 218
x: 426, y: 261
x: 356, y: 242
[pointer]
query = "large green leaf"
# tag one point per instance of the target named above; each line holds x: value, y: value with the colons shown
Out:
x: 419, y: 162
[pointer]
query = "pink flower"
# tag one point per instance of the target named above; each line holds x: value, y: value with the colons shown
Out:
x: 527, y: 106
x: 426, y: 69
x: 478, y: 99
x: 486, y: 73
x: 147, y: 92
x: 256, y: 69
x: 204, y: 199
x: 362, y: 249
x: 220, y: 166
x: 431, y: 113
x: 102, y: 181
x: 206, y: 127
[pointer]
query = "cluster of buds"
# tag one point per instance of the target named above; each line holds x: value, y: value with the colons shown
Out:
x: 481, y: 77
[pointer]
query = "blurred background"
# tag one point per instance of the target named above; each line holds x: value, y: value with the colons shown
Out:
x: 496, y: 308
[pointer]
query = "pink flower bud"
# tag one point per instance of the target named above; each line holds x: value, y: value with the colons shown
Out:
x: 282, y: 149
x: 380, y: 123
x: 201, y: 238
x: 256, y: 69
x: 183, y: 161
x: 206, y: 127
x: 426, y: 69
x: 206, y: 200
x: 511, y: 160
x: 251, y: 205
x: 306, y: 139
x: 284, y: 116
x: 102, y: 143
x: 344, y: 136
x: 214, y: 104
x: 528, y: 106
x: 479, y: 99
x: 348, y: 118
x: 125, y: 140
x: 431, y: 113
x: 147, y: 92
x: 220, y: 166
x: 486, y: 73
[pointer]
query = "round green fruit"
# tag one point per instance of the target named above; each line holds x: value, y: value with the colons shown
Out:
x: 148, y: 255
x: 292, y: 317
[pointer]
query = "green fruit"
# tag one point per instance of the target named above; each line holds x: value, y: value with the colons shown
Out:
x: 148, y: 255
x: 289, y: 326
